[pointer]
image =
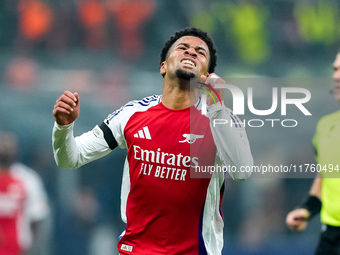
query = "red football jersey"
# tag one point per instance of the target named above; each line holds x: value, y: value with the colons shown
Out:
x: 167, y: 206
x: 164, y: 205
x: 12, y: 203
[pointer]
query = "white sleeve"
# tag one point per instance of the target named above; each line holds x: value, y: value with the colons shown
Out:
x: 231, y: 140
x: 72, y: 152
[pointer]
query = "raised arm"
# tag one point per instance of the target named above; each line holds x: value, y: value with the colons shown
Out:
x: 70, y: 152
x: 229, y: 134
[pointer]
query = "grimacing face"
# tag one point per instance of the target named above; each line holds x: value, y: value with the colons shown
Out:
x: 189, y: 54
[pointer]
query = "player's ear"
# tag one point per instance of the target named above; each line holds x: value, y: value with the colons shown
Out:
x: 162, y: 69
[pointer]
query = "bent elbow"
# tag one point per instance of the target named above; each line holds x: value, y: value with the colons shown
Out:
x: 65, y: 162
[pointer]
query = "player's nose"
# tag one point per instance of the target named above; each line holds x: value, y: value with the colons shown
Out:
x: 192, y: 52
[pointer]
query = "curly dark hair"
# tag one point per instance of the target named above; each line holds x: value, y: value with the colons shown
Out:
x: 192, y: 31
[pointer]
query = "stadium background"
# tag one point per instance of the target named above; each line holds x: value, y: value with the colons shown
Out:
x: 109, y: 51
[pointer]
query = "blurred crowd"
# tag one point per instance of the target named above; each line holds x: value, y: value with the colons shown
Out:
x: 92, y: 24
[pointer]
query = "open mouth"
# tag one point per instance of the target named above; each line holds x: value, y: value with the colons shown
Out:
x: 188, y: 62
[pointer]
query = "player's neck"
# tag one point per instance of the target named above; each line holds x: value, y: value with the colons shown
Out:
x: 177, y: 95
